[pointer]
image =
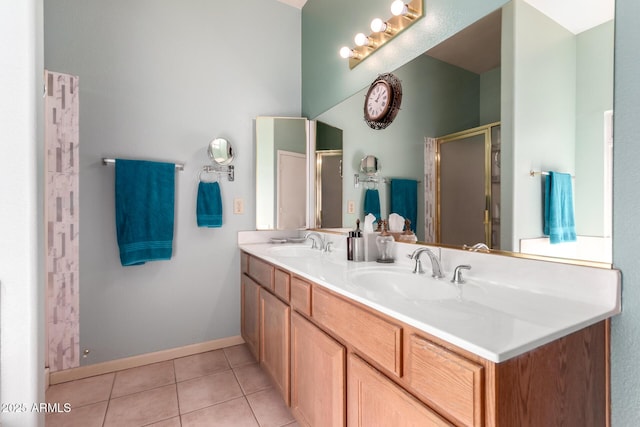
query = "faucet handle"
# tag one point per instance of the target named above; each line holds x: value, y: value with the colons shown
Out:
x: 328, y: 246
x: 457, y: 274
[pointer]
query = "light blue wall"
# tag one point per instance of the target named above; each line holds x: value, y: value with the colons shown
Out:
x: 625, y: 364
x: 490, y: 96
x: 437, y: 99
x: 159, y: 80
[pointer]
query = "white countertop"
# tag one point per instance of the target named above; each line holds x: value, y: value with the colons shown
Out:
x: 522, y: 305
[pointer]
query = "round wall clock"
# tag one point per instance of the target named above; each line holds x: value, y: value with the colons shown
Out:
x: 382, y: 102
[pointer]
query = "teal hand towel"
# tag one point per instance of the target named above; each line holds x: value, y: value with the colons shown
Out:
x: 372, y: 203
x: 209, y: 205
x: 404, y: 199
x: 559, y: 223
x: 145, y: 194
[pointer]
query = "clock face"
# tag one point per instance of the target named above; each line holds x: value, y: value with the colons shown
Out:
x: 382, y: 102
x: 378, y: 100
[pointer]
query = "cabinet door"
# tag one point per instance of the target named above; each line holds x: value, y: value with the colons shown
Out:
x: 317, y: 376
x: 274, y: 341
x: 249, y: 322
x: 374, y: 400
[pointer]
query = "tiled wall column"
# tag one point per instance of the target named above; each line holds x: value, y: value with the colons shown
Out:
x: 61, y: 205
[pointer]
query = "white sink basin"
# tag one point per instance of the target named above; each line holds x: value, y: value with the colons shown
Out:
x: 391, y: 283
x: 294, y: 251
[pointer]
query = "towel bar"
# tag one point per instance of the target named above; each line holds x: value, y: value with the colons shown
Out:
x: 533, y: 173
x: 112, y: 162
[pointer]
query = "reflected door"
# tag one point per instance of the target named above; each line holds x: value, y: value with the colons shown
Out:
x: 463, y: 191
x: 329, y: 189
x: 291, y: 190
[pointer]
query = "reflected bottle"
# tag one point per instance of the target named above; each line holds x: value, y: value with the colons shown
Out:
x: 385, y: 243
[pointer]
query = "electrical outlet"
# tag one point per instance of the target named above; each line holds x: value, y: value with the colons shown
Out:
x: 238, y: 205
x: 351, y: 207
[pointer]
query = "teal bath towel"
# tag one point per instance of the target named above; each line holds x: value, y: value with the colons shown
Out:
x: 209, y: 205
x: 144, y: 210
x: 404, y: 199
x: 372, y: 203
x: 559, y: 223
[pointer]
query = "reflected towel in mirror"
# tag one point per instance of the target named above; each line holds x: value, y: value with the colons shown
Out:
x: 404, y: 199
x: 559, y: 222
x: 372, y: 203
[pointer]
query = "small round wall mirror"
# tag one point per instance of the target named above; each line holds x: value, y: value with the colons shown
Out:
x: 369, y: 165
x: 220, y: 151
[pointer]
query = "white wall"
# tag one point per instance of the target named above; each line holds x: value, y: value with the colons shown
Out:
x: 21, y: 302
x: 159, y: 80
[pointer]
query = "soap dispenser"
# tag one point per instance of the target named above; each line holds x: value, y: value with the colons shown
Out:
x: 385, y: 243
x: 355, y: 244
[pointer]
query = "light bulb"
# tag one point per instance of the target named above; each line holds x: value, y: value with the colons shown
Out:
x: 346, y: 52
x: 361, y: 40
x: 399, y: 7
x: 378, y: 25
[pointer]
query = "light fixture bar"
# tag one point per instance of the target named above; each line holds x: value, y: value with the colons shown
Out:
x: 392, y: 27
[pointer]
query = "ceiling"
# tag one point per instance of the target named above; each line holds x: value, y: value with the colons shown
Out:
x: 576, y: 15
x: 477, y: 47
x: 295, y: 3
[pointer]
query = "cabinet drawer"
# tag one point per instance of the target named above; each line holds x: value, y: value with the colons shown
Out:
x: 301, y: 295
x: 445, y: 380
x: 261, y: 272
x: 378, y: 339
x: 282, y: 283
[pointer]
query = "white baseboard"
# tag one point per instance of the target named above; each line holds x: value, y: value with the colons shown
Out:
x: 140, y: 360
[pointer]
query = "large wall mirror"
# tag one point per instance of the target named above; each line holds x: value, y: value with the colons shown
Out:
x: 548, y: 84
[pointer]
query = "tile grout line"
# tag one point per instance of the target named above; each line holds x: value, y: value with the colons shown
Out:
x: 113, y: 383
x: 244, y: 395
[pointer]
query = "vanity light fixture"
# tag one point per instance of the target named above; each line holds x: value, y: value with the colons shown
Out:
x: 400, y: 8
x: 405, y: 13
x: 378, y: 26
x: 347, y: 52
x: 361, y: 40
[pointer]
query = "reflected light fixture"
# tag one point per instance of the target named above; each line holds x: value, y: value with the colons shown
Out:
x: 405, y: 13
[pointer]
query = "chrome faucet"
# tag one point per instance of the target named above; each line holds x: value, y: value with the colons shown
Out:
x: 477, y: 247
x: 310, y: 235
x: 435, y: 263
x: 457, y: 274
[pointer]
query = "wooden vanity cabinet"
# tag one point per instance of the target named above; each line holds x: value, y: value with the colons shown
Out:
x: 445, y: 380
x: 346, y: 363
x: 249, y: 314
x: 266, y: 319
x: 317, y: 376
x: 274, y: 341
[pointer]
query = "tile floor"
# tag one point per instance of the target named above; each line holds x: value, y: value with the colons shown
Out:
x: 219, y: 388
